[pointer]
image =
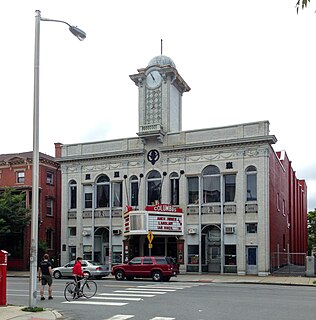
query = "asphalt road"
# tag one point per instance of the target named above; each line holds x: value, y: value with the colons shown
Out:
x: 147, y: 300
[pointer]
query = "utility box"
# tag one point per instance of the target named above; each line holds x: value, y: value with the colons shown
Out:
x: 3, y: 277
x: 310, y: 266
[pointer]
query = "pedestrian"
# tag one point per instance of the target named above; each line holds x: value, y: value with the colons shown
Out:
x: 45, y: 274
x: 78, y: 273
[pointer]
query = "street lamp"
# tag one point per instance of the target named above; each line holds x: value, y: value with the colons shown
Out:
x: 35, y: 169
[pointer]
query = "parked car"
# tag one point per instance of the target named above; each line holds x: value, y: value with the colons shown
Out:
x: 90, y: 268
x: 157, y: 268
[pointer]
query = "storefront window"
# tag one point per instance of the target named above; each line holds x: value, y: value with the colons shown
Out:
x: 230, y: 255
x: 193, y: 254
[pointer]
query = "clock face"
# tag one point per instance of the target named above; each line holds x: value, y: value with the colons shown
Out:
x: 153, y: 79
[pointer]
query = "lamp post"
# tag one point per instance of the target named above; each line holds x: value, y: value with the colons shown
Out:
x: 35, y: 169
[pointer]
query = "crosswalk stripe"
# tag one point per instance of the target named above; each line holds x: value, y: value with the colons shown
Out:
x: 127, y: 295
x: 162, y: 318
x: 118, y: 304
x: 163, y: 287
x: 121, y: 317
x: 117, y: 298
x: 130, y: 291
x: 151, y: 288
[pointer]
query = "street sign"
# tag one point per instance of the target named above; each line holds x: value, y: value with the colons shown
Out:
x: 150, y: 245
x: 150, y: 236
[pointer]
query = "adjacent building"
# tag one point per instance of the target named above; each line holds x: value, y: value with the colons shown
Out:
x: 217, y: 199
x: 16, y: 172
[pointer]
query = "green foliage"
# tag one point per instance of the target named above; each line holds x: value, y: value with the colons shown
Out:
x: 42, y: 249
x: 33, y: 309
x: 301, y: 4
x: 311, y: 226
x: 14, y: 215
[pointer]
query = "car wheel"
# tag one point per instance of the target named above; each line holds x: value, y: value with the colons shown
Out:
x: 157, y: 276
x: 166, y: 279
x: 119, y: 275
x: 57, y: 275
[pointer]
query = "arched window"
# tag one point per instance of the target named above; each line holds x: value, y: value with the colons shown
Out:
x: 251, y: 174
x: 103, y: 192
x: 174, y: 188
x: 153, y: 187
x: 72, y: 194
x: 211, y: 184
x: 134, y: 190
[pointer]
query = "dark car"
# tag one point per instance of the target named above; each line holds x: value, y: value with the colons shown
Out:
x: 157, y: 268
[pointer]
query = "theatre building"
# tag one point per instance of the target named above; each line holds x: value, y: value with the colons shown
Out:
x: 218, y: 200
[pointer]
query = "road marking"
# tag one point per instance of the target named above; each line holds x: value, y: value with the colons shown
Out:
x: 127, y: 295
x: 151, y: 288
x: 121, y: 317
x: 118, y: 304
x: 162, y: 318
x: 118, y: 298
x: 164, y: 287
x: 130, y: 291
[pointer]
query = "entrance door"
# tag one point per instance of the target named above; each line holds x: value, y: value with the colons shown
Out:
x: 214, y: 259
x: 251, y: 256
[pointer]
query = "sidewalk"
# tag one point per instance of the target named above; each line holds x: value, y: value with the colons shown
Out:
x: 15, y: 312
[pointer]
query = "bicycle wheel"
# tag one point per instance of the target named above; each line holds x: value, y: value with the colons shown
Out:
x: 89, y: 289
x: 70, y: 291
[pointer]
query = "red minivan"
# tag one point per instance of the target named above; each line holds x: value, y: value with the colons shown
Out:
x: 157, y: 268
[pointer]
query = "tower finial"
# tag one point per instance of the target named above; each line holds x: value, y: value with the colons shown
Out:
x: 161, y: 46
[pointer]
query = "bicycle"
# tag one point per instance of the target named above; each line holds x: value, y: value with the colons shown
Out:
x: 87, y: 289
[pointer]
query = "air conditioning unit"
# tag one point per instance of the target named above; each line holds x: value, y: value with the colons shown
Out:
x: 116, y: 232
x: 192, y: 231
x: 86, y: 233
x: 229, y: 230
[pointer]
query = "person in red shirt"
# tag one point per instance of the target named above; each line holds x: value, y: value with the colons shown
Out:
x: 77, y: 272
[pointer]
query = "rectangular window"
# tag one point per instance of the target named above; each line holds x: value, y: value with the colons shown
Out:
x: 230, y: 187
x: 193, y: 254
x: 174, y: 190
x: 49, y: 178
x: 134, y: 193
x: 20, y: 176
x: 49, y: 206
x: 73, y: 197
x: 211, y: 189
x: 117, y: 194
x: 103, y: 192
x: 193, y: 190
x: 230, y: 255
x: 87, y: 190
x: 251, y: 187
x: 72, y: 231
x: 251, y: 227
x: 49, y: 238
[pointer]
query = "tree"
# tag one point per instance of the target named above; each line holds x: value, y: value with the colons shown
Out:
x: 14, y: 215
x: 311, y: 225
x: 301, y: 4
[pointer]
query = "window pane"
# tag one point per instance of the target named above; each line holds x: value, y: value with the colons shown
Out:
x: 134, y: 193
x: 251, y: 187
x: 230, y: 187
x: 193, y: 190
x: 117, y: 194
x: 230, y: 255
x: 153, y: 191
x: 88, y: 200
x: 174, y: 191
x: 103, y: 193
x: 73, y: 197
x: 211, y: 189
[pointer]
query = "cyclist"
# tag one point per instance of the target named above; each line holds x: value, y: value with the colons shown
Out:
x: 78, y: 273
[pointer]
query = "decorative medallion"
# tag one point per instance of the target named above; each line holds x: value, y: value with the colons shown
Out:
x: 153, y: 156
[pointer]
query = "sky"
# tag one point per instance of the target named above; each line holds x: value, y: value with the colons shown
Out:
x: 245, y: 61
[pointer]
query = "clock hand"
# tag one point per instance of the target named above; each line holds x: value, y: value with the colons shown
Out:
x: 152, y: 76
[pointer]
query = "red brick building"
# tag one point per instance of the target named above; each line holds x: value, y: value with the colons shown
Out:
x: 16, y: 172
x: 288, y: 213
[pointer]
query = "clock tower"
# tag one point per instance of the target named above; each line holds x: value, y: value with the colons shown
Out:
x: 160, y: 89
